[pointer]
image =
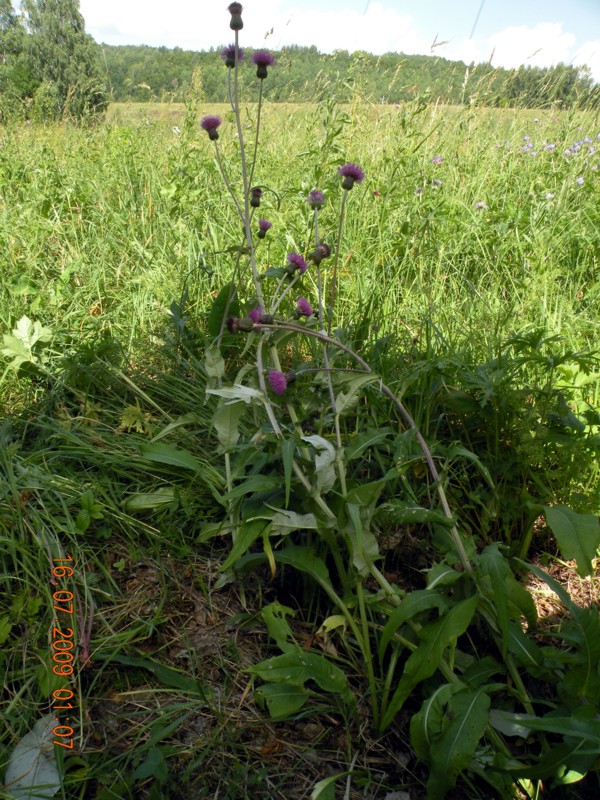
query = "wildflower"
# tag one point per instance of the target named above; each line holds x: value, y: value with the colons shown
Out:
x: 256, y: 314
x: 262, y: 59
x: 549, y: 196
x: 277, y: 381
x: 316, y: 199
x: 591, y: 151
x: 579, y: 180
x: 228, y: 55
x: 296, y: 262
x: 263, y: 227
x: 320, y: 252
x: 419, y: 190
x: 437, y: 160
x: 526, y: 138
x: 550, y: 147
x: 255, y: 195
x: 535, y: 119
x: 303, y: 307
x: 236, y: 23
x: 176, y: 130
x: 527, y: 146
x: 210, y: 125
x: 480, y: 205
x: 437, y: 183
x: 351, y: 173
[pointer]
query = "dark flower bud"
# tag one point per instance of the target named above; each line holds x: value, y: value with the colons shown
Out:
x: 255, y: 195
x: 210, y: 125
x: 263, y: 227
x: 236, y: 23
x: 320, y: 252
x: 316, y: 199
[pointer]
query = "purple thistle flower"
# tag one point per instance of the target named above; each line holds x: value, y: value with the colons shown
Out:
x: 303, y: 307
x: 277, y: 381
x: 256, y: 314
x: 351, y: 173
x: 437, y: 160
x: 262, y: 59
x: 228, y: 55
x: 210, y: 125
x: 263, y: 227
x: 320, y: 252
x: 297, y: 262
x: 316, y: 199
x: 235, y: 9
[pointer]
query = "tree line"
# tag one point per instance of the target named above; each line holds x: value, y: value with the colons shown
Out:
x: 50, y: 69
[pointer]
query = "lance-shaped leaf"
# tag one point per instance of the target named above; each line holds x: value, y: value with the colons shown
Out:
x: 578, y: 535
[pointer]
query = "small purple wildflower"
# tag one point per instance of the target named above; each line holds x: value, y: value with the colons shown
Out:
x: 550, y: 147
x: 527, y: 147
x: 549, y: 196
x: 277, y: 381
x: 297, y: 262
x: 255, y: 195
x: 591, y: 151
x: 210, y: 125
x: 437, y: 183
x: 256, y: 314
x: 419, y: 190
x: 351, y: 173
x: 228, y: 55
x: 236, y: 23
x: 526, y: 138
x: 303, y: 307
x: 481, y: 205
x: 316, y: 199
x: 437, y: 160
x: 579, y: 180
x: 263, y: 227
x: 262, y: 59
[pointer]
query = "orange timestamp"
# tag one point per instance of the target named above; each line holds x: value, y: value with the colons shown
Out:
x: 62, y: 645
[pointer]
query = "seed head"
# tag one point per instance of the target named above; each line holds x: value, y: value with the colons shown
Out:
x: 236, y: 23
x: 351, y: 173
x: 210, y: 125
x: 228, y: 55
x: 262, y: 59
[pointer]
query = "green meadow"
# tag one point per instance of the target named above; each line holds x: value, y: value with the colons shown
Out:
x: 468, y: 278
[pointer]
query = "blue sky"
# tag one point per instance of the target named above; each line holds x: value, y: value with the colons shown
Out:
x: 510, y: 32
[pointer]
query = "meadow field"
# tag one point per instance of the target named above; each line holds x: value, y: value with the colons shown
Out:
x: 468, y: 278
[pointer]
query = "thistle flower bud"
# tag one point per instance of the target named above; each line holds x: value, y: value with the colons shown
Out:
x: 316, y: 199
x: 263, y: 227
x: 351, y: 173
x: 255, y: 195
x: 236, y: 23
x: 210, y: 125
x: 320, y: 252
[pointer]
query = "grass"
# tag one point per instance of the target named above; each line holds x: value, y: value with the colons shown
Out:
x: 116, y: 240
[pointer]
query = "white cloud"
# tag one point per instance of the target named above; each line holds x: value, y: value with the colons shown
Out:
x: 199, y: 25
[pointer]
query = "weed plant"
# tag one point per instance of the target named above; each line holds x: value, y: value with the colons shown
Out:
x: 399, y: 351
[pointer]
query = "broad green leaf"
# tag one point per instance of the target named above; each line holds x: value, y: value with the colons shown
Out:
x: 452, y: 752
x: 173, y: 456
x: 324, y: 461
x: 32, y: 773
x: 364, y: 546
x: 285, y: 522
x: 364, y: 441
x: 404, y: 512
x: 426, y: 724
x: 282, y: 699
x: 255, y: 483
x: 148, y: 501
x: 274, y: 616
x: 577, y: 535
x: 414, y: 603
x: 214, y: 363
x: 246, y: 535
x: 301, y: 558
x: 186, y: 419
x: 346, y: 399
x: 237, y: 392
x: 573, y: 727
x: 523, y: 648
x: 442, y: 575
x: 325, y: 789
x: 274, y: 272
x: 219, y: 309
x: 153, y: 766
x: 366, y: 494
x: 557, y: 760
x: 423, y: 662
x: 226, y: 421
x: 296, y: 667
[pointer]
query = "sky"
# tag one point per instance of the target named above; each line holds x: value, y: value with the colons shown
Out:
x: 507, y: 32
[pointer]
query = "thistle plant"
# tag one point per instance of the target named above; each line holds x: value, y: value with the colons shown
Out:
x: 285, y: 424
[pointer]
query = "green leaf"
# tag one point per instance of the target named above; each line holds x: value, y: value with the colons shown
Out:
x: 414, y: 603
x: 255, y: 483
x: 147, y: 501
x: 346, y: 399
x: 226, y: 421
x: 578, y: 535
x: 453, y: 751
x: 274, y: 272
x: 214, y: 363
x: 238, y: 392
x: 32, y: 773
x: 285, y: 522
x: 324, y: 461
x: 274, y: 616
x: 405, y: 512
x: 246, y: 535
x: 282, y: 699
x: 325, y: 789
x: 423, y: 662
x: 442, y: 574
x: 154, y: 765
x: 173, y: 456
x: 170, y: 678
x: 426, y: 724
x: 363, y: 543
x: 288, y: 448
x: 524, y: 650
x: 219, y: 309
x: 366, y: 440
